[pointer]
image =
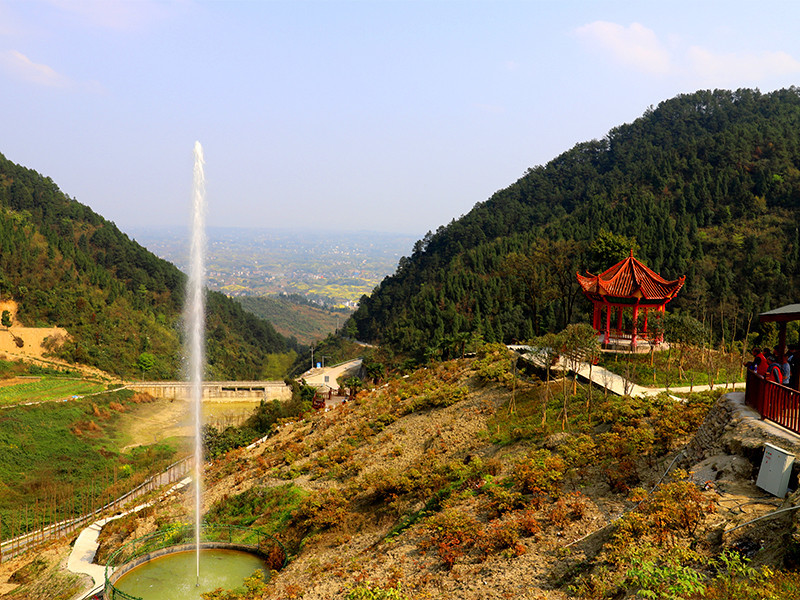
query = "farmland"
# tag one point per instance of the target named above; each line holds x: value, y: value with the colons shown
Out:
x: 46, y: 389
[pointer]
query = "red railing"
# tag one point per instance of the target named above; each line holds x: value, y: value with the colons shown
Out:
x: 773, y: 401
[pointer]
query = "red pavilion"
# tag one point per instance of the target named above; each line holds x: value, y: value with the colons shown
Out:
x: 628, y: 284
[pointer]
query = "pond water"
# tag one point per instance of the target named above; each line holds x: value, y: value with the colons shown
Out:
x: 174, y: 576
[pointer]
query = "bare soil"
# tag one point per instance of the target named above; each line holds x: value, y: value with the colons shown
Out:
x: 33, y: 342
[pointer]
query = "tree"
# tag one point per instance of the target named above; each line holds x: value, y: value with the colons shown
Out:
x: 354, y: 384
x: 528, y: 273
x: 145, y: 362
x: 683, y: 331
x: 561, y: 259
x: 5, y: 319
x: 580, y: 344
x: 546, y: 348
x: 608, y: 248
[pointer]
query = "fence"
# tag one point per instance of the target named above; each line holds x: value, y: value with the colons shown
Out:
x: 180, y: 538
x: 47, y: 532
x: 773, y: 401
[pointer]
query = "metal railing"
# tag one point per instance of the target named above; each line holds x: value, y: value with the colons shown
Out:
x: 773, y: 401
x: 179, y: 537
x: 44, y: 533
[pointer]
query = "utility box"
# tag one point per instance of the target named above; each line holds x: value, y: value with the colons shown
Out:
x: 776, y: 468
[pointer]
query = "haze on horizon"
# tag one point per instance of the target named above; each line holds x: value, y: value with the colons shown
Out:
x: 391, y: 116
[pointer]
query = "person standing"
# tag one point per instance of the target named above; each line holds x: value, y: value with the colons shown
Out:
x: 759, y: 364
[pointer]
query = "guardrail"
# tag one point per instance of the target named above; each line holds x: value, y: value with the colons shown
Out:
x: 773, y: 401
x: 177, y: 539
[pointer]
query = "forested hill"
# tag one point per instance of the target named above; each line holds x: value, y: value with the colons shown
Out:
x: 67, y: 266
x: 705, y: 185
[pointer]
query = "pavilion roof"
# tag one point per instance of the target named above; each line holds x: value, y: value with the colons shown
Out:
x: 790, y: 312
x: 630, y: 278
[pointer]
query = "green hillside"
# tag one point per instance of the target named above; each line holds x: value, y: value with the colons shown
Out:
x: 294, y: 317
x: 705, y: 185
x: 67, y: 266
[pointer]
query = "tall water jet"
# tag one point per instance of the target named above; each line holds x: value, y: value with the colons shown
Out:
x: 195, y: 324
x: 160, y: 565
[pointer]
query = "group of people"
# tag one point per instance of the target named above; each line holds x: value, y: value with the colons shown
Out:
x: 777, y: 367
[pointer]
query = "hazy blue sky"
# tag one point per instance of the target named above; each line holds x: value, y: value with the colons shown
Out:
x: 377, y: 115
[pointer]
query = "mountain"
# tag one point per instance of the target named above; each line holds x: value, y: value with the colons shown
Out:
x: 705, y: 185
x: 295, y: 317
x: 67, y: 266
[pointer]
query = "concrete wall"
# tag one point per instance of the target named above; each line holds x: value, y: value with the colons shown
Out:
x: 217, y: 390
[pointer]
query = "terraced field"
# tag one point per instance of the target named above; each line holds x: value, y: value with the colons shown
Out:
x: 46, y: 389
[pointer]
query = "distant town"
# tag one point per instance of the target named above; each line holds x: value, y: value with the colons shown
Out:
x: 332, y: 269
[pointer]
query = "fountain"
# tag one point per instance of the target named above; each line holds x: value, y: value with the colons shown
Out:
x: 160, y: 565
x: 195, y: 324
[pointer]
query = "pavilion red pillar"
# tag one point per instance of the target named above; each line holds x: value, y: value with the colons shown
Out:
x: 596, y: 318
x: 619, y: 318
x: 607, y: 338
x: 644, y: 331
x: 635, y: 320
x: 782, y: 340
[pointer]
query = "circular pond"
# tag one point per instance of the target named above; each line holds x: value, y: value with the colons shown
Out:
x: 174, y: 575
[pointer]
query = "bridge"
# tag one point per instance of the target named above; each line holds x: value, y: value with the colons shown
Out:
x: 216, y: 390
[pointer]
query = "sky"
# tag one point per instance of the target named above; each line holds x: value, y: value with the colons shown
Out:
x: 394, y: 116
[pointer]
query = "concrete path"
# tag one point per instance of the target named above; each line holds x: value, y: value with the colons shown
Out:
x: 81, y: 559
x: 616, y: 384
x: 328, y: 375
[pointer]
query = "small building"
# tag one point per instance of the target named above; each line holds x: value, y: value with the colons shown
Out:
x: 629, y: 284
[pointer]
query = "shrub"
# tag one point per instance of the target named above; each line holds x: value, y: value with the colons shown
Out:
x: 737, y: 579
x: 367, y: 591
x: 527, y: 523
x: 500, y: 536
x: 440, y: 396
x: 321, y: 510
x: 389, y: 484
x: 539, y: 474
x: 502, y: 500
x: 675, y: 509
x: 216, y: 443
x: 494, y: 363
x: 451, y: 534
x: 566, y: 510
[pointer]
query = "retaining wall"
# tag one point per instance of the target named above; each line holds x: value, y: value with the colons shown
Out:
x: 732, y: 427
x: 218, y: 390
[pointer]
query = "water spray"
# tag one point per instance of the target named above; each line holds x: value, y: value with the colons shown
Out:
x: 195, y: 324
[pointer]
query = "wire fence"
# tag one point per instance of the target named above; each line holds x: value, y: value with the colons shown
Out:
x: 48, y: 529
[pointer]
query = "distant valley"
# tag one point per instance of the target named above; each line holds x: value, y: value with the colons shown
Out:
x: 331, y: 269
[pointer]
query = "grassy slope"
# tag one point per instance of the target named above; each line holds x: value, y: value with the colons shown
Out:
x: 306, y: 323
x: 438, y: 485
x: 69, y: 452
